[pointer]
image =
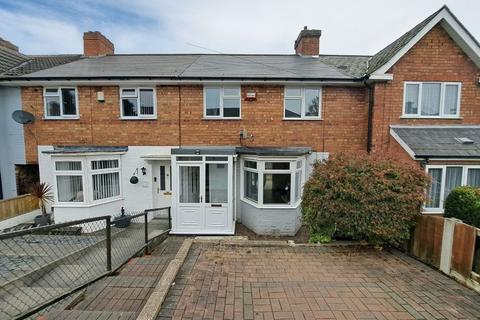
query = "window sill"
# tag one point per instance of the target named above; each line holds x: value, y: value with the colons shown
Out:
x: 302, y: 119
x: 431, y: 117
x: 206, y: 118
x: 436, y: 212
x: 272, y: 206
x: 60, y: 118
x: 138, y: 119
x: 85, y: 205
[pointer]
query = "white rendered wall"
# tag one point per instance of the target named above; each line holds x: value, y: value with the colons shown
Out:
x: 135, y: 197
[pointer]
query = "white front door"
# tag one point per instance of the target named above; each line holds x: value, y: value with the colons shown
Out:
x: 204, y: 196
x: 190, y: 211
x: 162, y: 184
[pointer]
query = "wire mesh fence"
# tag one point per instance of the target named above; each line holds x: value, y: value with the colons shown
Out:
x: 40, y: 266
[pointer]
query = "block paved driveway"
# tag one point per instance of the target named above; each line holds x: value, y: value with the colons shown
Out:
x: 240, y: 282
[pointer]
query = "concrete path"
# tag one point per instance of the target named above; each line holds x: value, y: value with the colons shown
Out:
x: 221, y: 281
x: 122, y: 296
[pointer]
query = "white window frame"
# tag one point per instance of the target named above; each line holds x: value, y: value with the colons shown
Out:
x: 81, y: 173
x: 137, y: 96
x: 222, y: 97
x: 302, y: 97
x: 101, y: 171
x: 87, y: 179
x: 59, y: 95
x: 465, y: 168
x: 261, y: 171
x: 441, y: 115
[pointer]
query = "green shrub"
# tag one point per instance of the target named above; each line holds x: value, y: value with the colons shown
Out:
x: 363, y: 198
x: 464, y: 203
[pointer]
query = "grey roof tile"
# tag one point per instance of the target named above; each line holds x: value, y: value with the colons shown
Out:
x: 10, y: 58
x: 387, y: 53
x: 207, y: 66
x: 440, y: 142
x: 37, y: 63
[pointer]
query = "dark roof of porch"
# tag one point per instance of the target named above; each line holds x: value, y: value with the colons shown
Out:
x: 439, y: 141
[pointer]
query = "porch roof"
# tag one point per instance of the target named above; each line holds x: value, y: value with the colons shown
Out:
x: 231, y: 150
x: 441, y: 142
x: 86, y: 149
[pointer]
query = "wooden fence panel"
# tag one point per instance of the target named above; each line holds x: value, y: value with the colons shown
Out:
x: 427, y: 240
x: 463, y: 248
x: 13, y: 207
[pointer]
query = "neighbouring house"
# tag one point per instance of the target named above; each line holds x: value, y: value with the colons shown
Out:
x: 16, y: 174
x: 225, y: 138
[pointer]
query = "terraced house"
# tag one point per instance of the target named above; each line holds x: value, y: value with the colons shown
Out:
x: 231, y: 138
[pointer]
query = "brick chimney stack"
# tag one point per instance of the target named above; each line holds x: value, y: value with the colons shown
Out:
x: 308, y: 42
x: 96, y: 44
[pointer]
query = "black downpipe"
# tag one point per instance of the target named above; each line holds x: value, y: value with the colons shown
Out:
x: 371, y: 99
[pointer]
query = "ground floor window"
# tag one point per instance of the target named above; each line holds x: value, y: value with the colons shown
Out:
x: 87, y: 179
x: 445, y: 178
x: 272, y: 182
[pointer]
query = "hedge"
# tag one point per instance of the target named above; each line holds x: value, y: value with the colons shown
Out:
x: 464, y: 203
x: 363, y: 198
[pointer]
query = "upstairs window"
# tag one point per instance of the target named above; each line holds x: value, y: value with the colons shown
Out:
x: 138, y: 103
x: 302, y: 103
x: 431, y: 99
x: 222, y: 102
x: 60, y: 103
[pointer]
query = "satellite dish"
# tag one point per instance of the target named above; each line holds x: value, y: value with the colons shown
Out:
x: 23, y: 117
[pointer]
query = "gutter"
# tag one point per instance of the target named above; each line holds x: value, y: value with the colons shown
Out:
x: 371, y: 100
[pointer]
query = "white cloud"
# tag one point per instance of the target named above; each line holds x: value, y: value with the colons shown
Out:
x: 248, y: 26
x: 40, y: 35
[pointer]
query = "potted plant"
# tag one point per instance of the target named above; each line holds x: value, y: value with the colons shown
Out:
x: 43, y: 192
x: 123, y: 220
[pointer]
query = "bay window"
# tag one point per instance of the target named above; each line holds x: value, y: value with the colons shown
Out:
x: 445, y: 178
x: 60, y: 103
x: 85, y: 180
x: 222, y: 102
x: 272, y: 182
x: 302, y: 103
x: 138, y: 103
x: 431, y: 99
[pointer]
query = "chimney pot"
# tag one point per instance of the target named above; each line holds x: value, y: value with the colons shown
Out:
x: 308, y: 42
x: 96, y: 44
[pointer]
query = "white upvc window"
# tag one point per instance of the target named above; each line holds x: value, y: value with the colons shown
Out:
x: 222, y: 102
x: 445, y: 178
x: 431, y: 99
x: 303, y: 103
x: 60, y: 103
x: 138, y: 103
x: 69, y: 181
x: 105, y: 179
x: 272, y: 182
x: 87, y: 180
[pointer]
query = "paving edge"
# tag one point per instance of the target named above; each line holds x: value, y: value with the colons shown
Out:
x: 233, y: 241
x: 152, y: 307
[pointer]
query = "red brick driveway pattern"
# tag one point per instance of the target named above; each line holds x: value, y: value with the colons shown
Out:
x: 237, y: 282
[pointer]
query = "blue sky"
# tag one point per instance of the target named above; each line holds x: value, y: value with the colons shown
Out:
x: 246, y: 26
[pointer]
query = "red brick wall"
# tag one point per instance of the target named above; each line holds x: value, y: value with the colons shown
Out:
x: 308, y: 46
x: 436, y: 57
x: 344, y: 127
x: 99, y: 122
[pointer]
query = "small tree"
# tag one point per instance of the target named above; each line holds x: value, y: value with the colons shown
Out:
x: 363, y: 198
x: 464, y: 203
x: 43, y: 192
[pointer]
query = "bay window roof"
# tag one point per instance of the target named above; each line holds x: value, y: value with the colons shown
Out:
x: 230, y: 150
x: 441, y: 142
